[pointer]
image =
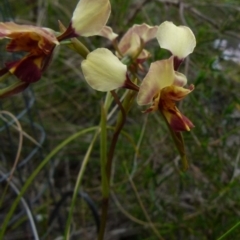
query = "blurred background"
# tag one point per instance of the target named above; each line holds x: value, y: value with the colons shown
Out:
x: 149, y: 188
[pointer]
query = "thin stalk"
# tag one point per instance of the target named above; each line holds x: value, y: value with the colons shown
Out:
x: 118, y: 128
x: 229, y: 231
x: 119, y: 125
x: 27, y: 209
x: 5, y: 76
x: 103, y: 153
x: 124, y: 109
x: 134, y: 168
x: 20, y: 142
x: 143, y: 207
x: 14, y: 88
x: 77, y: 185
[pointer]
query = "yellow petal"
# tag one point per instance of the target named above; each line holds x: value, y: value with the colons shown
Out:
x: 90, y: 16
x: 103, y: 71
x: 180, y: 41
x: 159, y: 76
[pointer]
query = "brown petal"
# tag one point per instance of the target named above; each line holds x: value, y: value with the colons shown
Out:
x: 27, y: 69
x: 177, y: 120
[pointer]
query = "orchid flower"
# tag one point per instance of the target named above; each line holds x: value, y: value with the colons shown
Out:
x: 89, y: 17
x: 104, y: 72
x: 179, y: 40
x: 134, y: 38
x: 38, y: 42
x: 162, y: 87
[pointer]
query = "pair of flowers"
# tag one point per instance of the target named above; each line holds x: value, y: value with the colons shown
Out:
x: 162, y: 85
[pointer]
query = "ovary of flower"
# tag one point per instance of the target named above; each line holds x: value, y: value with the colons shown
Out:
x: 134, y: 37
x: 38, y: 42
x: 161, y: 88
x: 89, y: 17
x: 103, y: 71
x: 179, y: 40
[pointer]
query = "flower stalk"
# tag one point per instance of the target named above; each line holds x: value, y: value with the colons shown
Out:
x: 124, y: 109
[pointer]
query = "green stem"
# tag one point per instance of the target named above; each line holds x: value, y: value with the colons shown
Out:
x: 104, y: 180
x: 105, y: 202
x: 5, y: 76
x: 103, y: 153
x: 119, y: 125
x: 14, y: 88
x: 35, y: 173
x: 229, y: 231
x: 80, y: 48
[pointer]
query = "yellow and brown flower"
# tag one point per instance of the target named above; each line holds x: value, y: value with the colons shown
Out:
x: 162, y: 87
x: 38, y: 42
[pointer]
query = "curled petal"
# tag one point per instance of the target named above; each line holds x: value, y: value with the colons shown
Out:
x: 180, y: 41
x: 159, y: 76
x: 90, y: 16
x: 103, y: 71
x: 108, y: 33
x: 175, y: 93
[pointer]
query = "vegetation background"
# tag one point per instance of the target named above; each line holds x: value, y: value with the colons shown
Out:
x: 151, y: 197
